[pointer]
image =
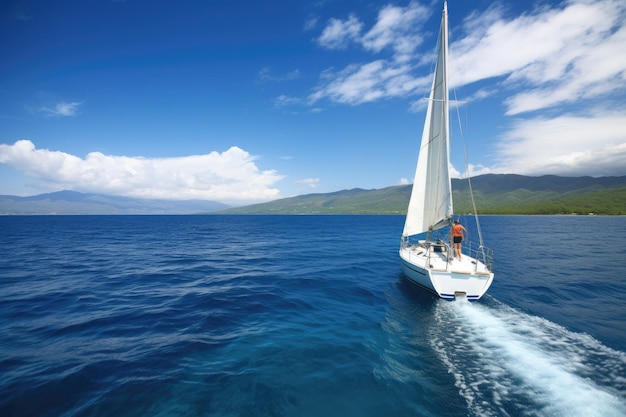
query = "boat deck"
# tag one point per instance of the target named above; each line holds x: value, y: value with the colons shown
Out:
x: 437, y: 259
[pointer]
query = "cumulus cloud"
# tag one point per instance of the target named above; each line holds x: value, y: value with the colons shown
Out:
x: 228, y: 176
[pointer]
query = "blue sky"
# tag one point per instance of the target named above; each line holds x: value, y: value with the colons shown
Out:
x: 243, y: 101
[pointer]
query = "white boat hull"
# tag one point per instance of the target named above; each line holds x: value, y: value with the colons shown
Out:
x: 446, y: 277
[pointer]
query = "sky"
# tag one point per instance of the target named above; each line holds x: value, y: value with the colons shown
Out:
x: 245, y: 101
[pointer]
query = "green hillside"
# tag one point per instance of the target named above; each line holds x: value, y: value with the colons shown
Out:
x: 494, y: 194
x: 390, y: 200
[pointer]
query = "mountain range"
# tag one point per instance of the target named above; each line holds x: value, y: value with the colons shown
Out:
x: 493, y: 194
x: 72, y: 202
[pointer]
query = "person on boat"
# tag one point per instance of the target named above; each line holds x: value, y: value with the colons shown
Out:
x: 457, y: 237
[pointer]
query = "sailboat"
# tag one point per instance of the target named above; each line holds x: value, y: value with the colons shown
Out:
x: 427, y: 252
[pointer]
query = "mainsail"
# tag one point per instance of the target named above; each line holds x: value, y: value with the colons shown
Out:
x: 430, y: 206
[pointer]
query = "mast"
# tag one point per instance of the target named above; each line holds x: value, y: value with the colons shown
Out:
x: 430, y: 206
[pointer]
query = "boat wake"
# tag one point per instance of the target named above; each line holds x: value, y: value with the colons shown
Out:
x: 505, y: 361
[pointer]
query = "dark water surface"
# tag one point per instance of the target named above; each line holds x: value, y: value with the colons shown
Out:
x: 304, y: 316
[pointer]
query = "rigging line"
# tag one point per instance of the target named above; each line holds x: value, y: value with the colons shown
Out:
x: 469, y: 181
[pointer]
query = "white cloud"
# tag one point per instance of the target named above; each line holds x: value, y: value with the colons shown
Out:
x: 61, y: 109
x: 283, y: 100
x: 565, y: 60
x: 396, y: 29
x: 556, y: 55
x: 266, y: 74
x: 311, y: 182
x: 545, y: 57
x: 311, y: 23
x: 567, y: 145
x: 359, y: 84
x: 454, y: 173
x: 228, y: 176
x: 337, y: 34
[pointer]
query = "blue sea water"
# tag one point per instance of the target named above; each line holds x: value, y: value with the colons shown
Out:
x: 304, y: 316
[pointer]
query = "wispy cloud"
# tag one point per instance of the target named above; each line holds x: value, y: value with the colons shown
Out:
x: 554, y: 56
x: 358, y: 84
x: 564, y: 59
x: 228, y: 176
x: 310, y: 182
x: 61, y: 109
x: 339, y: 33
x: 266, y: 74
x: 283, y: 100
x: 397, y: 30
x: 311, y: 23
x: 547, y: 57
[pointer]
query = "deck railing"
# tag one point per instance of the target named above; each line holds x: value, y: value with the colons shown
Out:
x: 469, y: 248
x: 476, y: 251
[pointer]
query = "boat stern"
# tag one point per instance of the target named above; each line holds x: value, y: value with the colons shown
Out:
x: 431, y: 266
x: 454, y: 285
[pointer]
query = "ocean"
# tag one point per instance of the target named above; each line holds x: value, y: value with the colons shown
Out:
x: 305, y: 316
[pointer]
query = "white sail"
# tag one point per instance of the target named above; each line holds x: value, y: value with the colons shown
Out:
x: 438, y: 263
x: 430, y: 206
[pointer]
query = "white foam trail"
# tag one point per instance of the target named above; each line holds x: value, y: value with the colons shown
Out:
x: 504, y: 361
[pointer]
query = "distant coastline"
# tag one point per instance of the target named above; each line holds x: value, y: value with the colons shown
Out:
x: 497, y: 194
